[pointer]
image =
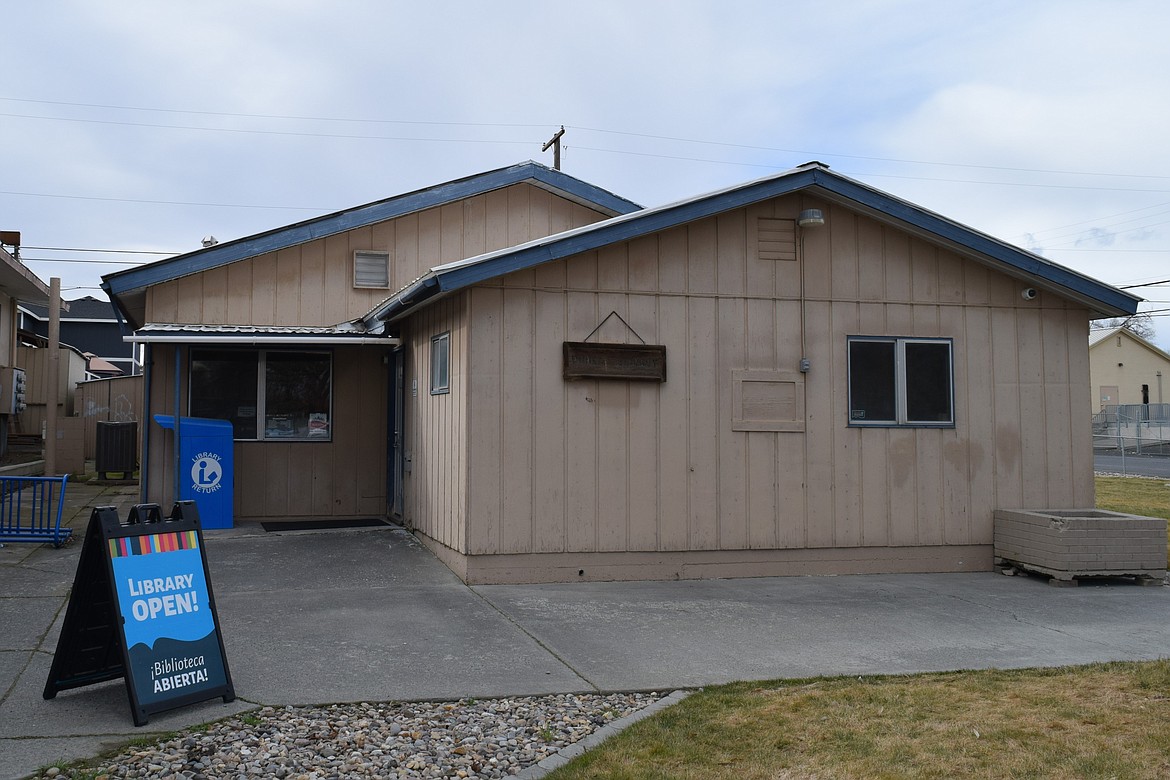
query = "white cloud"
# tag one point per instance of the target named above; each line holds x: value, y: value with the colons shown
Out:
x: 1052, y: 85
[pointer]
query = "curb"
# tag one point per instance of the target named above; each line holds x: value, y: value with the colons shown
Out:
x: 568, y: 753
x: 33, y: 468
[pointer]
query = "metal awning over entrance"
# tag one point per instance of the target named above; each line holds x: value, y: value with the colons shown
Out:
x: 169, y: 333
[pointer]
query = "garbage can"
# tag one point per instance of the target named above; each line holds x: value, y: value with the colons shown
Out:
x: 206, y: 467
x: 117, y: 448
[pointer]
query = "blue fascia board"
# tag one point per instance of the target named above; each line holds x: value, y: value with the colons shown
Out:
x: 618, y: 229
x: 583, y: 191
x: 339, y: 222
x: 977, y: 242
x: 653, y: 220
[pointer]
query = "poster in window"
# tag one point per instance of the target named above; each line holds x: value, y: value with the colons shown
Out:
x: 279, y: 426
x: 318, y: 425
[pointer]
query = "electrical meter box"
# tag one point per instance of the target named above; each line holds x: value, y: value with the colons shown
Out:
x: 12, y: 388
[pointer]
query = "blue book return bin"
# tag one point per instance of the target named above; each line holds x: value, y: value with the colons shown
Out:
x: 206, y: 467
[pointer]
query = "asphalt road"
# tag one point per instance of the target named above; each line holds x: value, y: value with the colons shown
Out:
x: 1144, y: 465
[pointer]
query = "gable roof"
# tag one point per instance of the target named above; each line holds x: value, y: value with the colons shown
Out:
x: 87, y: 308
x: 123, y: 286
x: 1099, y: 336
x: 814, y: 177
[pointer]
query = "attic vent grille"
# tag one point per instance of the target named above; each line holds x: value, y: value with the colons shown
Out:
x: 371, y: 269
x: 777, y: 238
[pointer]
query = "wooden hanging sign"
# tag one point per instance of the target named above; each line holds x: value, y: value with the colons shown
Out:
x: 142, y: 609
x: 585, y: 360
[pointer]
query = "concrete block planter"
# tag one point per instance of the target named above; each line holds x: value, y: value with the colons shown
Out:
x: 1067, y: 544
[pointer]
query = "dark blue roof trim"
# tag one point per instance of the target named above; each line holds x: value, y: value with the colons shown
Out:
x: 360, y: 216
x: 979, y: 242
x: 615, y: 230
x: 815, y: 177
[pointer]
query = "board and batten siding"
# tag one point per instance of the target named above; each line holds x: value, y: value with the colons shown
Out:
x: 435, y: 500
x: 341, y: 478
x: 311, y: 284
x: 597, y: 467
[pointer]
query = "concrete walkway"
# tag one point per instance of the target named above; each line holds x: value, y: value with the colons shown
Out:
x: 369, y: 614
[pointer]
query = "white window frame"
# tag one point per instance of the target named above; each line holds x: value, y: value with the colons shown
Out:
x: 441, y: 363
x: 261, y: 395
x: 901, y: 381
x: 371, y: 255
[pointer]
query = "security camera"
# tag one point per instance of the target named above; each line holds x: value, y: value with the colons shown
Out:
x: 1028, y: 293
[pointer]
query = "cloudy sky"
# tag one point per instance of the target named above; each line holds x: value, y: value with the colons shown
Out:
x: 143, y: 126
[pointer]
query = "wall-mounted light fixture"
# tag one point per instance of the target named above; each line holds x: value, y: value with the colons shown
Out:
x: 811, y: 218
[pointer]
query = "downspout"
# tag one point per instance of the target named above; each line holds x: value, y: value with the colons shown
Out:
x: 54, y: 393
x: 178, y: 412
x: 143, y: 469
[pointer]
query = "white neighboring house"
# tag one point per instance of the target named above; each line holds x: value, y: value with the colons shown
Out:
x: 17, y: 285
x: 1131, y: 389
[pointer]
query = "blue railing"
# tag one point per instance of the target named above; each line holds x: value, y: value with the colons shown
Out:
x: 31, y: 508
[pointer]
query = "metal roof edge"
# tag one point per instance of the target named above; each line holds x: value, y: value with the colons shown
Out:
x: 421, y: 289
x: 359, y: 216
x: 581, y: 191
x: 976, y: 241
x: 814, y: 176
x: 172, y: 333
x: 621, y: 228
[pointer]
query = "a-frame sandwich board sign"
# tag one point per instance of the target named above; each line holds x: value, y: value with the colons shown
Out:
x: 142, y: 609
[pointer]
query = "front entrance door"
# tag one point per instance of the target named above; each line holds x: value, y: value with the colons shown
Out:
x: 396, y: 434
x: 1108, y: 396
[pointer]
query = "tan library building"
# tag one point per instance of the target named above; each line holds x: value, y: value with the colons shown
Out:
x: 547, y: 382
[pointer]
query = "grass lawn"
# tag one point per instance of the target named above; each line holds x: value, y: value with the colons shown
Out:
x: 1099, y: 721
x: 1135, y: 495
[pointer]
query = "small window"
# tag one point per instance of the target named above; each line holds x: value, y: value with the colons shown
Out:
x: 901, y: 381
x: 371, y: 269
x: 441, y: 363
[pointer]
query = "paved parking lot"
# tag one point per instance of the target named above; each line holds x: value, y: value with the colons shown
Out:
x: 369, y: 614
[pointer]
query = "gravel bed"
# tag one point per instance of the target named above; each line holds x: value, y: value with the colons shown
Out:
x: 471, y: 738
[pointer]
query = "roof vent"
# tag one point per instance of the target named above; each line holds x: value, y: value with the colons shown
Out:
x: 209, y: 241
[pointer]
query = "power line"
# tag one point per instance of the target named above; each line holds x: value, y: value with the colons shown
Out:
x: 1146, y: 284
x: 1073, y: 249
x: 606, y: 131
x: 275, y: 116
x: 864, y: 157
x: 107, y: 251
x: 164, y: 202
x: 82, y: 261
x: 1012, y: 183
x: 881, y: 175
x: 245, y: 131
x: 1100, y: 219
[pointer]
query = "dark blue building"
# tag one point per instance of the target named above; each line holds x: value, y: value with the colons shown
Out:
x: 91, y: 327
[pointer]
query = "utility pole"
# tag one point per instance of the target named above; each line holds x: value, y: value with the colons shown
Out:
x: 53, y: 391
x: 555, y: 141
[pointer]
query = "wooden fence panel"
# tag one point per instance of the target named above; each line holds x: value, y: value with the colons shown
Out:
x: 108, y: 400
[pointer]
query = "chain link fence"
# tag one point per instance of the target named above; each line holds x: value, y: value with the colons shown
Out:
x: 1132, y: 429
